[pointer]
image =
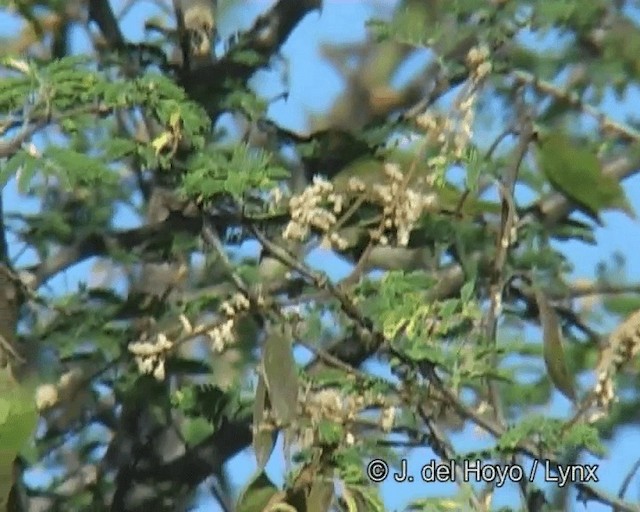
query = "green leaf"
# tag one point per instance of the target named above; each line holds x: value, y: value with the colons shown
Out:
x: 362, y: 498
x: 329, y: 432
x: 234, y: 171
x: 247, y: 57
x: 422, y: 351
x: 553, y: 351
x: 466, y: 293
x: 18, y: 420
x: 28, y: 169
x: 117, y: 147
x: 263, y: 440
x: 214, y: 403
x: 196, y: 430
x: 622, y: 305
x: 7, y: 458
x: 281, y: 377
x: 5, y: 408
x: 320, y: 496
x: 435, y: 505
x: 257, y: 494
x: 78, y: 169
x: 12, y: 166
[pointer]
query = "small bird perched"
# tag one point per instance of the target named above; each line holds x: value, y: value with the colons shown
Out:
x: 576, y: 172
x: 197, y: 28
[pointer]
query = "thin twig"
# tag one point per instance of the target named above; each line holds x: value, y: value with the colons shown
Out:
x: 334, y: 361
x: 606, y: 123
x: 504, y: 243
x: 627, y: 479
x: 527, y: 448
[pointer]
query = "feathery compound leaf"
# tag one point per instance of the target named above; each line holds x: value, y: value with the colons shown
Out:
x: 281, y: 377
x: 233, y: 171
x: 552, y: 348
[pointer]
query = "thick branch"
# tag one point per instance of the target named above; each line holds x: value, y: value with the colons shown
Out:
x: 100, y: 11
x: 98, y: 244
x: 264, y: 40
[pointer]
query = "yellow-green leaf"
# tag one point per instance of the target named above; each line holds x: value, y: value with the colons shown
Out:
x: 281, y: 377
x: 17, y: 424
x: 7, y: 459
x: 350, y: 500
x: 320, y: 496
x: 263, y: 440
x: 161, y: 141
x: 257, y: 495
x: 552, y: 348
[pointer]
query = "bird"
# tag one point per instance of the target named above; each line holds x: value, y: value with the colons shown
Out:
x: 576, y: 172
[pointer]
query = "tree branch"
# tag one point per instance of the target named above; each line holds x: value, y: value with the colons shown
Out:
x: 100, y: 11
x: 264, y: 39
x: 97, y: 244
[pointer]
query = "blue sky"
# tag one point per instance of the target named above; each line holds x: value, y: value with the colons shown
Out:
x: 313, y: 87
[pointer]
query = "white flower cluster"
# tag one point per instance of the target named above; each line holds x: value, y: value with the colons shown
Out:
x: 223, y: 334
x: 449, y: 132
x: 150, y: 357
x: 333, y: 405
x: 478, y: 62
x: 402, y: 206
x: 464, y: 132
x: 624, y: 345
x: 454, y: 131
x: 46, y: 396
x: 309, y: 210
x: 50, y: 395
x: 344, y: 409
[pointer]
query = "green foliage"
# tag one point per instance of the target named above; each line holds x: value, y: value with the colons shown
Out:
x: 257, y: 494
x: 247, y: 102
x: 281, y: 377
x: 551, y: 434
x: 264, y: 439
x: 407, y: 27
x: 329, y: 433
x: 235, y: 172
x: 18, y: 419
x: 417, y: 343
x: 208, y: 402
x: 398, y: 307
x: 73, y: 169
